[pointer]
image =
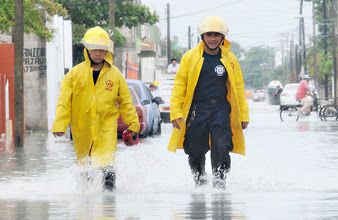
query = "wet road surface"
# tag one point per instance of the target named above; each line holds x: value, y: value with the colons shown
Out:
x: 290, y: 172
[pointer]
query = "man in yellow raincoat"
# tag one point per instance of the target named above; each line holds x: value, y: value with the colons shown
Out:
x: 208, y: 108
x: 92, y: 96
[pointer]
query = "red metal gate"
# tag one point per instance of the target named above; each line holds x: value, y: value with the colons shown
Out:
x: 6, y: 76
x: 132, y: 69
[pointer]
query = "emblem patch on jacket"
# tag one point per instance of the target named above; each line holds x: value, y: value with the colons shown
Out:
x: 219, y: 70
x: 233, y: 65
x: 109, y: 85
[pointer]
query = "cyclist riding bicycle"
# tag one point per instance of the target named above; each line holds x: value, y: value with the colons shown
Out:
x: 302, y: 91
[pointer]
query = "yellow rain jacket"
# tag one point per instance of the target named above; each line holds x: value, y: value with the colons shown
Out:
x: 183, y: 91
x: 93, y: 110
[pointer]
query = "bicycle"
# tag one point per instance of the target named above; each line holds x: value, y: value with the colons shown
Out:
x: 327, y: 112
x: 292, y: 113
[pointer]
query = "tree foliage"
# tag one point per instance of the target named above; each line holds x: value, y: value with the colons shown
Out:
x: 258, y: 67
x: 177, y: 50
x: 86, y: 14
x: 324, y: 55
x: 36, y: 13
x: 236, y: 49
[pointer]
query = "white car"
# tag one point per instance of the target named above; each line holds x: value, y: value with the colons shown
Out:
x: 288, y: 96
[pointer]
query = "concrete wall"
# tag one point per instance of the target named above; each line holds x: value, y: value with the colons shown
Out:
x: 35, y: 81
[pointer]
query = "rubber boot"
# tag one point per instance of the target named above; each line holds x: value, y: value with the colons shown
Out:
x: 109, y: 178
x: 198, y: 170
x: 219, y: 174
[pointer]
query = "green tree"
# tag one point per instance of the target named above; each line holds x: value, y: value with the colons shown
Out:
x: 236, y: 49
x: 86, y: 14
x: 177, y: 51
x: 36, y: 13
x: 325, y: 64
x: 324, y: 55
x: 258, y: 67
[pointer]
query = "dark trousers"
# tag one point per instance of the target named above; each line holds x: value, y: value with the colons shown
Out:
x: 209, y: 119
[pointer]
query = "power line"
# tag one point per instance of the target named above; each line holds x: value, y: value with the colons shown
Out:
x: 198, y: 12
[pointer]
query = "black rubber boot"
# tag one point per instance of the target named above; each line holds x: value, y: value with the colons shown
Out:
x: 109, y: 178
x: 200, y: 179
x: 219, y: 177
x: 198, y: 170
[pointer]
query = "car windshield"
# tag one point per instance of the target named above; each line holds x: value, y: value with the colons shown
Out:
x: 133, y: 96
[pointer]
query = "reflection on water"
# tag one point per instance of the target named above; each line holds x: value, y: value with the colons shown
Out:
x: 197, y: 207
x: 214, y: 206
x: 289, y: 172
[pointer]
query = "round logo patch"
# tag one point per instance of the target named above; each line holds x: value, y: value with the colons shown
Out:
x: 109, y: 83
x: 219, y: 70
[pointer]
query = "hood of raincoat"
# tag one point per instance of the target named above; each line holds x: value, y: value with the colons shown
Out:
x: 183, y: 91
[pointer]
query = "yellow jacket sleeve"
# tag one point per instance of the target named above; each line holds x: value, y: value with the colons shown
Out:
x: 64, y: 105
x: 126, y: 107
x: 243, y: 104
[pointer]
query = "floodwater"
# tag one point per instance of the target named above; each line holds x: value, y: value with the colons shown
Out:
x: 290, y: 172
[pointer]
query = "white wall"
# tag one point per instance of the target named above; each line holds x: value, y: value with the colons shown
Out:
x: 68, y: 44
x: 59, y: 57
x: 148, y: 69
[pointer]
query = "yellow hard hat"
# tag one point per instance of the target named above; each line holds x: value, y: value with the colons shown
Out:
x: 97, y: 39
x: 155, y: 83
x: 213, y: 24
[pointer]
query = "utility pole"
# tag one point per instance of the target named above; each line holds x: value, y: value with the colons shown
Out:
x: 315, y: 67
x: 189, y: 38
x: 302, y: 38
x: 17, y: 38
x: 283, y: 58
x: 326, y: 79
x: 111, y: 19
x: 291, y: 59
x: 325, y: 27
x: 297, y: 64
x: 168, y: 34
x: 335, y: 46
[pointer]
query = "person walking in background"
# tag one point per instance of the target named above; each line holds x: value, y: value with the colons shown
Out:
x: 154, y: 89
x: 92, y: 96
x: 207, y: 88
x: 173, y: 67
x: 302, y: 91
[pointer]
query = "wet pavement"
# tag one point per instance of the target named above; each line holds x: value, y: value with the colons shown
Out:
x: 290, y: 172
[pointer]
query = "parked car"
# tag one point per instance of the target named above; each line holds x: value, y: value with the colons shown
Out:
x: 262, y: 95
x: 255, y: 96
x: 150, y: 103
x: 141, y: 112
x: 288, y: 96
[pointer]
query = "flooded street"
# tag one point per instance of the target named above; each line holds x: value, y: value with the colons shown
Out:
x: 290, y: 172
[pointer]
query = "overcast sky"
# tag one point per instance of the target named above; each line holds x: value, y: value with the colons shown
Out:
x: 250, y: 22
